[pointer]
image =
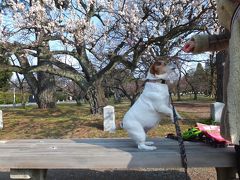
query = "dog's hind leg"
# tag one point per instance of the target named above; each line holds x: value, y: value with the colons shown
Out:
x: 144, y: 146
x: 137, y: 133
x: 149, y: 143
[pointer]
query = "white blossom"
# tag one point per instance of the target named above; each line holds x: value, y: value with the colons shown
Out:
x: 110, y: 23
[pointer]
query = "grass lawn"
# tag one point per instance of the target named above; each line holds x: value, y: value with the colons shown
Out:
x: 72, y: 121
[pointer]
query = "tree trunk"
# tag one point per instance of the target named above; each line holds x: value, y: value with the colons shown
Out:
x: 192, y: 88
x: 117, y: 97
x: 178, y: 88
x: 96, y: 98
x: 79, y: 100
x: 46, y: 91
x: 23, y: 99
x: 43, y: 89
x: 46, y: 82
x: 195, y: 95
x: 220, y: 59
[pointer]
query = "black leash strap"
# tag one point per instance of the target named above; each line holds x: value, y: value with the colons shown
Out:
x: 180, y: 139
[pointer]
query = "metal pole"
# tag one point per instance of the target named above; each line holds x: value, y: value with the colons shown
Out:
x: 1, y: 120
x: 14, y: 97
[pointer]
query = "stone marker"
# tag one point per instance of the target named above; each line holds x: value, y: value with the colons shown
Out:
x: 1, y: 120
x: 216, y: 111
x: 109, y: 119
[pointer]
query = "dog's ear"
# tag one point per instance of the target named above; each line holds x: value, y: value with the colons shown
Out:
x: 154, y: 69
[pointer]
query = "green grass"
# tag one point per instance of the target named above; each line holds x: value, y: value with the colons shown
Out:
x: 72, y: 121
x: 200, y: 98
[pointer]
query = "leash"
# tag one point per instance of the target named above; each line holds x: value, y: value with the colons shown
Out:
x: 179, y: 138
x: 178, y: 130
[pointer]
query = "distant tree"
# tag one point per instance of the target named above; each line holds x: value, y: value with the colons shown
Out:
x: 5, y: 80
x: 70, y: 89
x: 210, y: 70
x: 21, y: 85
x: 197, y: 80
x: 130, y: 87
x: 200, y: 79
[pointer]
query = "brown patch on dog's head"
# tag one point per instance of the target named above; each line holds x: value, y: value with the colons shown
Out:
x: 158, y: 67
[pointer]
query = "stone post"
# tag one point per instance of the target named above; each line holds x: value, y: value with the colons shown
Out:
x: 109, y: 119
x: 216, y: 111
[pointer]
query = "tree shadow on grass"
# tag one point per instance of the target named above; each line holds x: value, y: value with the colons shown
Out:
x: 97, y: 125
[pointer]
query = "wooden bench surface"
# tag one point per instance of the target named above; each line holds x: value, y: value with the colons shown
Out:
x: 107, y: 154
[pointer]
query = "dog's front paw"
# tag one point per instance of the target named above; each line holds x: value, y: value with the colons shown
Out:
x: 180, y: 117
x: 181, y: 121
x: 143, y: 146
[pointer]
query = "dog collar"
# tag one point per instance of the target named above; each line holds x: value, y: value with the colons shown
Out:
x: 162, y: 81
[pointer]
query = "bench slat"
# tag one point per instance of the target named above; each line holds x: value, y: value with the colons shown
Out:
x: 107, y: 153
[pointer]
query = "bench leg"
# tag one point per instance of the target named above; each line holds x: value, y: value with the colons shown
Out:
x: 33, y: 174
x: 226, y: 173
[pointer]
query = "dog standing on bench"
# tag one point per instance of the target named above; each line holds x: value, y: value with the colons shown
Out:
x: 154, y: 100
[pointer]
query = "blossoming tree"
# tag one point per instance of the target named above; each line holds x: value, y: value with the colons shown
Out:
x: 83, y: 39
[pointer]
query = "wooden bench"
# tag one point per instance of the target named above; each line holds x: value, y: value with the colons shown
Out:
x: 31, y: 158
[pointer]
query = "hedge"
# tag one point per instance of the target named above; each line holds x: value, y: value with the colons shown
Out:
x: 7, y: 97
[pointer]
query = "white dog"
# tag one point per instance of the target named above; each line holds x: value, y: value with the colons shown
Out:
x: 145, y: 112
